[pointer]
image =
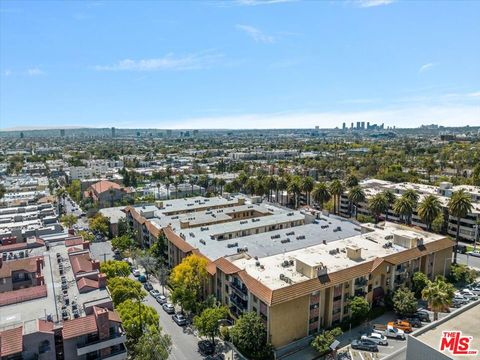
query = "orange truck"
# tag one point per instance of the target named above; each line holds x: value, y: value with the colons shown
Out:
x: 401, y: 325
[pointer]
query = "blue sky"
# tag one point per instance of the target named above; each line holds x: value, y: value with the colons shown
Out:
x: 239, y: 64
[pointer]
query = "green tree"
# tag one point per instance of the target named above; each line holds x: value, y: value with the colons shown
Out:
x: 208, y: 322
x: 74, y: 190
x: 294, y: 187
x: 99, y: 223
x: 188, y: 280
x: 459, y: 205
x: 307, y: 186
x: 429, y: 209
x: 123, y: 288
x: 462, y: 274
x: 149, y: 263
x: 320, y: 194
x: 68, y: 220
x: 404, y: 208
x: 351, y: 181
x: 419, y: 281
x: 336, y: 189
x: 87, y: 236
x: 437, y: 224
x: 378, y: 204
x: 438, y: 294
x: 249, y: 335
x: 411, y: 195
x: 323, y: 341
x: 356, y: 195
x: 281, y: 186
x: 136, y: 317
x: 114, y: 268
x: 404, y: 301
x: 359, y: 307
x: 123, y: 243
x: 153, y: 345
x: 390, y: 196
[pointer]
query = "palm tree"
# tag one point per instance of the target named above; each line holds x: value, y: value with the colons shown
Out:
x: 351, y: 181
x: 336, y: 189
x: 221, y: 183
x: 438, y: 294
x: 459, y: 205
x: 411, y: 195
x: 294, y: 188
x: 428, y: 210
x: 281, y: 186
x: 377, y: 205
x: 167, y: 185
x: 250, y: 186
x: 307, y: 186
x: 404, y: 208
x: 390, y: 196
x: 356, y: 196
x: 320, y: 194
x: 158, y: 189
x: 270, y: 184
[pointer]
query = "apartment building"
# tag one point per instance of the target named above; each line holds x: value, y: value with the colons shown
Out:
x: 372, y: 187
x: 56, y: 306
x: 296, y: 269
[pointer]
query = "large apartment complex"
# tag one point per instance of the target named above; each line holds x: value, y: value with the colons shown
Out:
x: 296, y: 269
x: 54, y: 304
x: 372, y: 187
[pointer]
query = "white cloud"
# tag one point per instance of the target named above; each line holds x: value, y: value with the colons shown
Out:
x: 373, y: 3
x: 475, y: 94
x: 168, y: 62
x: 455, y: 115
x: 34, y: 72
x: 256, y: 34
x: 425, y: 67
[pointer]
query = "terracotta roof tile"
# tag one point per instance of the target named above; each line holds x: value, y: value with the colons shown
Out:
x: 226, y: 266
x: 45, y: 326
x: 152, y: 229
x: 256, y: 287
x: 80, y: 326
x: 26, y: 264
x: 11, y: 341
x: 16, y: 296
x: 114, y: 316
x: 81, y: 263
x: 85, y: 283
x: 176, y: 240
x: 105, y: 185
x: 73, y: 240
x: 416, y: 252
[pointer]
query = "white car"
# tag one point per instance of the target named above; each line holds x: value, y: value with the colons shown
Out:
x: 136, y: 272
x: 377, y: 338
x: 468, y: 294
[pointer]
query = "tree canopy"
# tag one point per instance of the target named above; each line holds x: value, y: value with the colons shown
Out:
x: 323, y: 341
x: 153, y: 345
x: 404, y: 301
x: 208, y: 322
x: 249, y: 335
x: 114, y: 268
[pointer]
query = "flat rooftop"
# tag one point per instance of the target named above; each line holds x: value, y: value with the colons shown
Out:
x: 466, y: 322
x: 371, y: 245
x: 198, y: 202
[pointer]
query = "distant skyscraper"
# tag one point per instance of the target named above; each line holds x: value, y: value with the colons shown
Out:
x: 363, y: 125
x: 344, y: 126
x: 368, y: 125
x: 195, y: 132
x: 21, y: 135
x: 351, y: 126
x: 113, y: 132
x: 317, y: 127
x: 169, y: 133
x: 62, y: 132
x: 358, y: 125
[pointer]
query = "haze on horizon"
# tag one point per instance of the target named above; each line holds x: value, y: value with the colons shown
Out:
x: 238, y: 64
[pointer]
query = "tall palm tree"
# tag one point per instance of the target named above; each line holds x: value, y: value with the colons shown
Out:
x: 167, y: 185
x: 459, y: 205
x: 307, y: 186
x: 351, y: 181
x: 336, y: 189
x: 282, y: 186
x: 356, y: 195
x: 404, y: 208
x: 294, y: 188
x: 320, y: 194
x: 250, y: 185
x: 390, y: 196
x: 221, y: 182
x: 271, y: 185
x: 438, y: 294
x: 412, y: 195
x: 428, y: 210
x: 377, y: 205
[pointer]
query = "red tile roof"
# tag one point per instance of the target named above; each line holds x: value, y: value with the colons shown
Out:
x: 226, y: 266
x: 27, y: 264
x: 152, y: 229
x: 11, y: 341
x: 80, y: 326
x: 73, y: 240
x: 81, y: 263
x: 45, y: 326
x: 16, y: 296
x: 176, y: 240
x: 85, y: 284
x: 113, y: 316
x: 105, y: 185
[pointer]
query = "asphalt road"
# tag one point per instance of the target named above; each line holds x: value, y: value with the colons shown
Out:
x: 469, y: 260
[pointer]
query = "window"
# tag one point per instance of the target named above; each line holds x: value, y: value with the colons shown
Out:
x: 336, y: 298
x: 313, y: 306
x: 314, y: 319
x: 255, y: 299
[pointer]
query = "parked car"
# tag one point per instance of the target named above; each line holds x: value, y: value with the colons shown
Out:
x: 135, y: 272
x: 458, y: 298
x: 154, y: 292
x: 206, y: 347
x: 390, y: 332
x: 402, y: 325
x: 65, y: 315
x: 468, y: 294
x: 142, y: 278
x: 148, y: 286
x: 422, y: 315
x: 456, y: 303
x: 161, y: 299
x: 366, y: 345
x: 169, y: 308
x: 415, y: 322
x: 377, y: 338
x: 180, y: 319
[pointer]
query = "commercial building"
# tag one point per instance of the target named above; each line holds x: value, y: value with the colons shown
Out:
x: 296, y: 269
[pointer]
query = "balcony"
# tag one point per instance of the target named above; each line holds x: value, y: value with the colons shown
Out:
x: 240, y: 290
x: 114, y: 339
x: 238, y: 302
x: 120, y: 354
x: 361, y: 282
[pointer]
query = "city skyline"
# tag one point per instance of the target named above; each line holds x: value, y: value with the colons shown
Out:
x: 238, y: 64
